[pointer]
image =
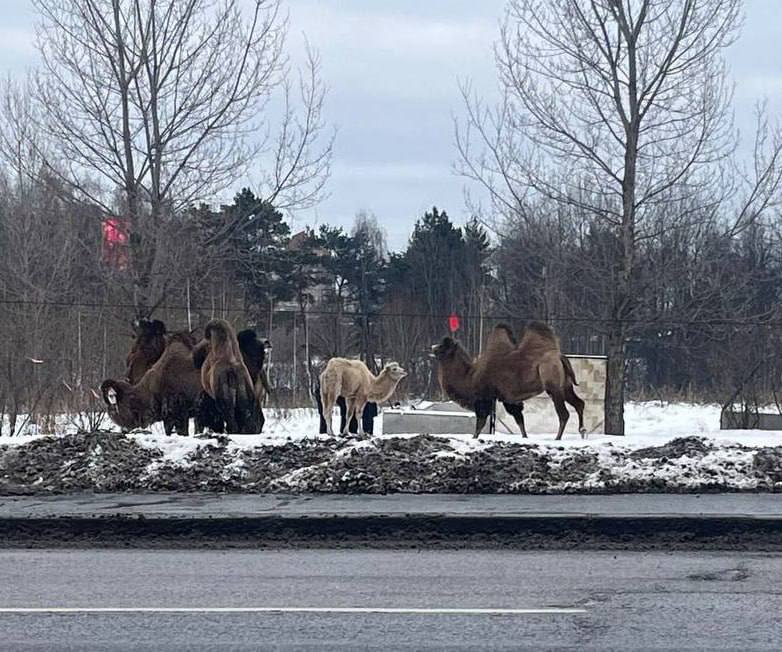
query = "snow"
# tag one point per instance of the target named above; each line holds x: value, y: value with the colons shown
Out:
x: 647, y: 424
x: 670, y: 447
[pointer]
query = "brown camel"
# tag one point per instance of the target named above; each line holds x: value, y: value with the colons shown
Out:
x: 352, y: 380
x: 224, y: 377
x: 511, y: 372
x: 150, y: 342
x: 147, y: 347
x: 254, y: 355
x: 168, y: 391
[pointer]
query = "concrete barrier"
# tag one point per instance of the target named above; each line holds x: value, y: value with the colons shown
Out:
x: 734, y: 420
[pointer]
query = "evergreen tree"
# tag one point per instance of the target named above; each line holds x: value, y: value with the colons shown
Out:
x: 251, y: 238
x: 435, y: 267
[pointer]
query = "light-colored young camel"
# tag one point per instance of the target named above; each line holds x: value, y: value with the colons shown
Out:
x: 352, y: 380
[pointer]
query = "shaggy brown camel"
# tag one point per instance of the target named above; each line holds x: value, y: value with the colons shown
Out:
x: 168, y: 391
x: 224, y: 377
x: 148, y: 345
x: 150, y: 342
x: 352, y: 380
x: 254, y: 355
x: 511, y: 372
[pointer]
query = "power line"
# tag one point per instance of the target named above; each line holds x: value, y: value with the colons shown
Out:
x: 659, y: 322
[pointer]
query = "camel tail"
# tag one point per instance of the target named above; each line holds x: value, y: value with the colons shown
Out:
x: 569, y: 373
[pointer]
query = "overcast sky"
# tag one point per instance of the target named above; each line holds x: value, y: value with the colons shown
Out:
x: 392, y: 68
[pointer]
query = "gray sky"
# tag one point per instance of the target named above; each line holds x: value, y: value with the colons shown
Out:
x: 392, y: 69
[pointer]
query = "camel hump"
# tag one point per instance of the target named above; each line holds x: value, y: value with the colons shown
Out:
x: 540, y: 329
x: 182, y: 337
x: 506, y: 330
x: 540, y: 337
x: 501, y: 339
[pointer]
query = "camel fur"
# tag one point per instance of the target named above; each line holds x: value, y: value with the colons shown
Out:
x: 510, y: 371
x: 225, y: 379
x: 167, y: 391
x: 352, y: 380
x: 148, y: 345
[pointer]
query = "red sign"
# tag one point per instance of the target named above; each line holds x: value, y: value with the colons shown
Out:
x: 453, y: 322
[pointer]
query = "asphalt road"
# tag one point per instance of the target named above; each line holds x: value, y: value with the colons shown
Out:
x: 324, y: 599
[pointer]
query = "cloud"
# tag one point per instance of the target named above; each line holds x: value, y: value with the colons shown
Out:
x: 399, y: 55
x: 17, y: 46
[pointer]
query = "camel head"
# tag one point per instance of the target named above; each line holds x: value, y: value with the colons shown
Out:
x: 394, y: 371
x: 121, y: 403
x: 445, y: 350
x: 449, y: 353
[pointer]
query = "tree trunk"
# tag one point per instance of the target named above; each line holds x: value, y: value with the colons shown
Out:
x: 615, y: 383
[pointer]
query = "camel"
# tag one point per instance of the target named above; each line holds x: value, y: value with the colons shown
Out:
x: 150, y: 342
x: 368, y: 418
x: 167, y: 391
x: 224, y: 378
x: 510, y: 371
x: 253, y: 354
x: 352, y: 380
x: 148, y: 346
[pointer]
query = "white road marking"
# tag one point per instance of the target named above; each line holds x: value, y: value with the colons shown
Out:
x: 313, y: 610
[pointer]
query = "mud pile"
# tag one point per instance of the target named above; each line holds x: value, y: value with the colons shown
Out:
x: 108, y: 462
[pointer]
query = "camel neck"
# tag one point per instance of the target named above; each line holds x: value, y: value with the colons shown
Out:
x: 382, y: 387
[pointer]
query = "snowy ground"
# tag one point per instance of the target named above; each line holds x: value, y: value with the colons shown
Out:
x: 668, y: 447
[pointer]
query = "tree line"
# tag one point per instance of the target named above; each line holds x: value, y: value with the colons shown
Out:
x: 610, y: 199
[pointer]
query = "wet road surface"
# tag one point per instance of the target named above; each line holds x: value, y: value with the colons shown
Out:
x: 388, y: 599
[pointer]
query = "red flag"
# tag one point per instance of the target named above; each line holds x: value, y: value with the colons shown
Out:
x: 453, y: 322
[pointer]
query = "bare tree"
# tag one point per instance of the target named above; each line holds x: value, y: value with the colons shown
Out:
x: 615, y: 108
x: 169, y: 102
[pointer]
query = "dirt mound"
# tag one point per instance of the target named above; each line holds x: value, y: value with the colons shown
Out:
x: 106, y: 462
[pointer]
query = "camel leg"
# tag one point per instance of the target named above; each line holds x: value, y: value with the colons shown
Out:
x: 327, y: 399
x: 182, y: 425
x: 351, y: 403
x: 343, y: 409
x: 359, y: 416
x: 482, y: 412
x: 516, y: 410
x: 562, y: 413
x: 576, y: 401
x: 231, y: 422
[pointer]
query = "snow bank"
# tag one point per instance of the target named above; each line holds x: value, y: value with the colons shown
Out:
x: 669, y: 448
